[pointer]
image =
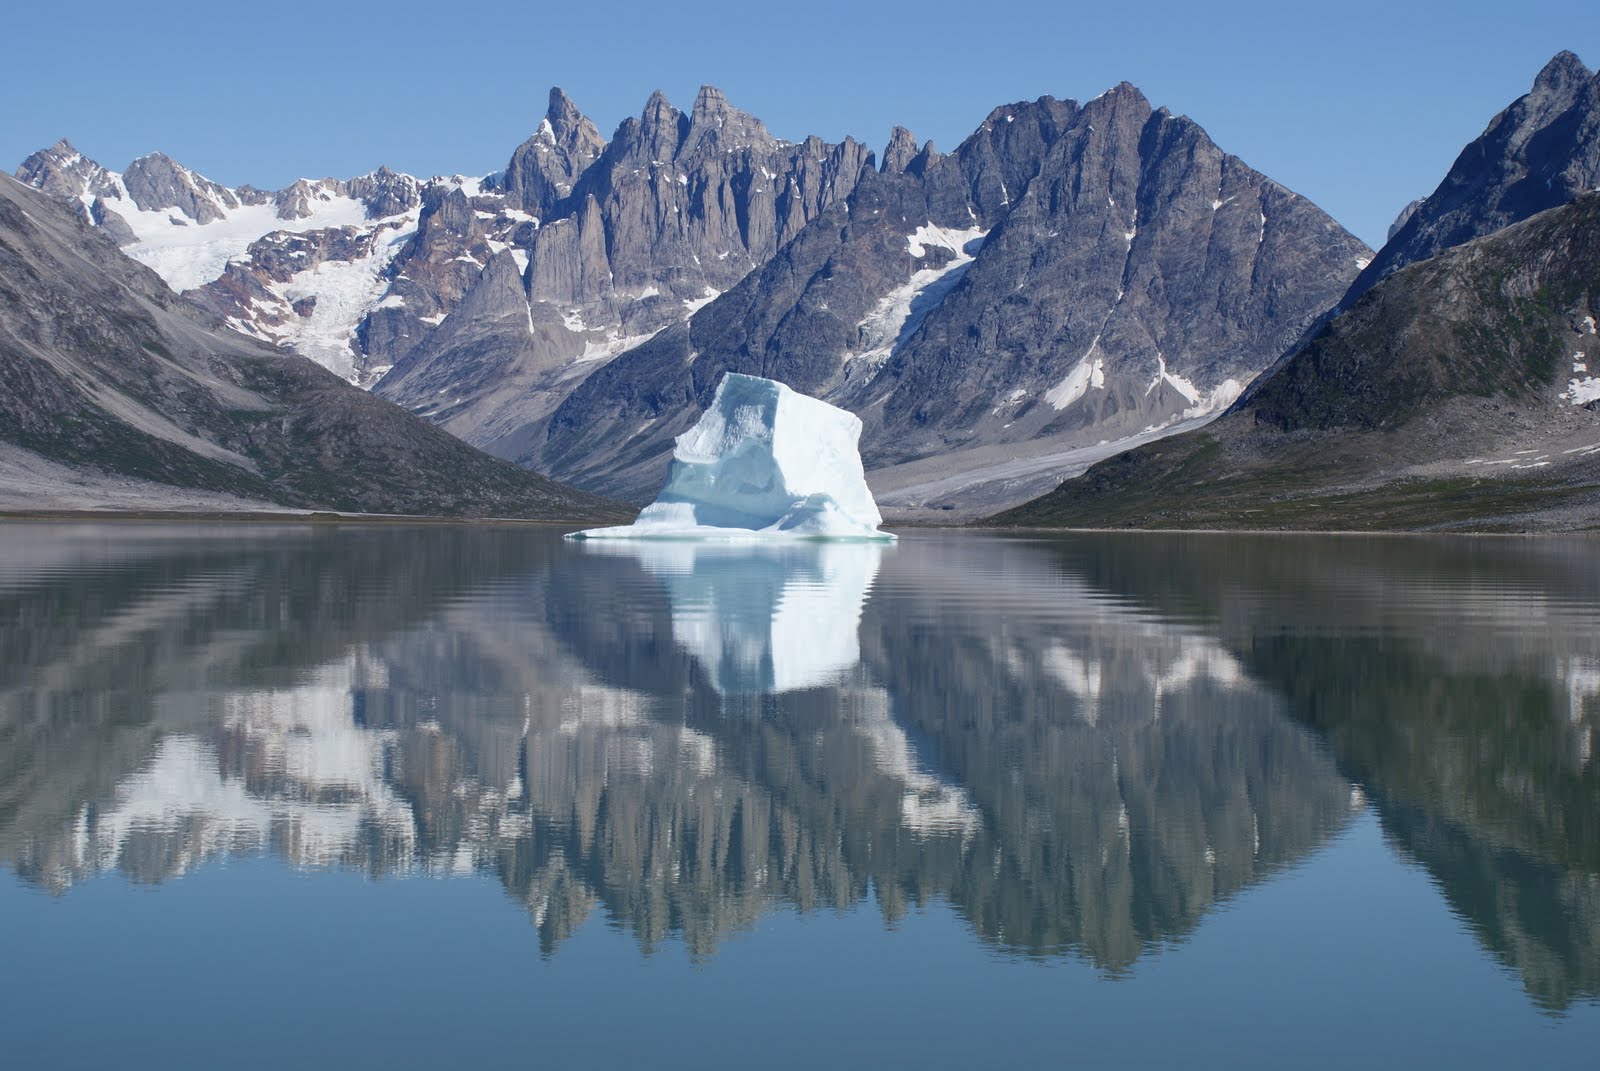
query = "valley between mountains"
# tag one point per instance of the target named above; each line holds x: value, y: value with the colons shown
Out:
x: 1071, y: 282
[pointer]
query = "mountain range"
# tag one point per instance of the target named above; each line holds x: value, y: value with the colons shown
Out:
x: 1453, y: 388
x: 1071, y: 275
x: 1071, y: 281
x: 121, y: 393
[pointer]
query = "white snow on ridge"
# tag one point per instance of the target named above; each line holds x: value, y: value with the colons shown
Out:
x: 963, y: 243
x: 345, y: 290
x: 899, y: 312
x: 1084, y: 374
x: 187, y: 254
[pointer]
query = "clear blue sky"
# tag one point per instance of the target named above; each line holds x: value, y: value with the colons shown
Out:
x: 1360, y: 106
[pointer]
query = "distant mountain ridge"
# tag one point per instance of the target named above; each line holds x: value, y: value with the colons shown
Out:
x: 1071, y: 275
x: 120, y: 394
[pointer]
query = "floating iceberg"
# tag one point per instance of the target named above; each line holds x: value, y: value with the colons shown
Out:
x: 763, y: 462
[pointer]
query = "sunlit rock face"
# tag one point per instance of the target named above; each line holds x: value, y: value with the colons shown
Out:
x: 763, y: 460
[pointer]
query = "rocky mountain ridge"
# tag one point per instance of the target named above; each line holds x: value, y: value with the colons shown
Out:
x: 1451, y: 386
x: 1540, y: 152
x: 1071, y: 274
x: 120, y: 394
x: 358, y: 274
x: 1458, y: 392
x: 1008, y: 297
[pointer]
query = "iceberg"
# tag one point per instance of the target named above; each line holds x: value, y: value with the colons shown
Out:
x: 764, y: 462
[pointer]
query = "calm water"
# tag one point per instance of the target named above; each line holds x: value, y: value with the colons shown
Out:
x: 387, y: 796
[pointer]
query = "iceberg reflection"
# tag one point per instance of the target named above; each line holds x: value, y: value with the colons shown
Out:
x: 762, y: 618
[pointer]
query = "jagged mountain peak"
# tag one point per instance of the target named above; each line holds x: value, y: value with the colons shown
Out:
x: 1564, y: 70
x: 546, y: 166
x: 1122, y: 98
x: 1124, y: 91
x: 710, y: 100
x: 658, y: 110
x: 657, y: 132
x: 716, y: 122
x: 900, y: 151
x: 566, y: 127
x: 157, y: 181
x: 1540, y: 152
x: 63, y: 171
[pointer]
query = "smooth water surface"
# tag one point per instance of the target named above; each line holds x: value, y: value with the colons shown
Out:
x: 438, y: 796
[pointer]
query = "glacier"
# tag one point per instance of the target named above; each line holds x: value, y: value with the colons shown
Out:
x: 763, y: 462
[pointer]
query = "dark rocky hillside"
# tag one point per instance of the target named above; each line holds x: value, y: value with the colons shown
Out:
x: 1459, y: 392
x: 1542, y: 151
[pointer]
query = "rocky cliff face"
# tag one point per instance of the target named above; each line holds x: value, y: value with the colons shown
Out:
x: 120, y: 393
x: 611, y: 241
x: 622, y: 240
x: 1071, y: 274
x: 1540, y: 152
x: 1459, y: 392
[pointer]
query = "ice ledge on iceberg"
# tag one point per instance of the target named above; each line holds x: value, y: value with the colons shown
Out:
x: 764, y: 462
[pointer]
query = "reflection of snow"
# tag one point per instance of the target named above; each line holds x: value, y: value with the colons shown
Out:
x: 929, y: 805
x: 1168, y: 661
x: 1077, y: 676
x: 763, y: 619
x: 1583, y: 684
x: 1582, y: 676
x: 325, y: 791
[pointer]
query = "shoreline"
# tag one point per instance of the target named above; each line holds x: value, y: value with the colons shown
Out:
x: 269, y: 517
x: 324, y: 517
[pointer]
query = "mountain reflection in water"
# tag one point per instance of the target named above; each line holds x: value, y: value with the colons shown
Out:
x: 1082, y: 743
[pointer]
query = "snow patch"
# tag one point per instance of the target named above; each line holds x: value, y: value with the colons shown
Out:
x: 1582, y: 391
x: 344, y: 291
x: 1084, y: 375
x: 694, y: 305
x: 1217, y: 398
x: 901, y: 311
x: 614, y: 343
x: 188, y: 254
x: 963, y: 243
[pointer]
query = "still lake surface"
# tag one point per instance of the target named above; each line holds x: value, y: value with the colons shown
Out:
x: 443, y: 795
